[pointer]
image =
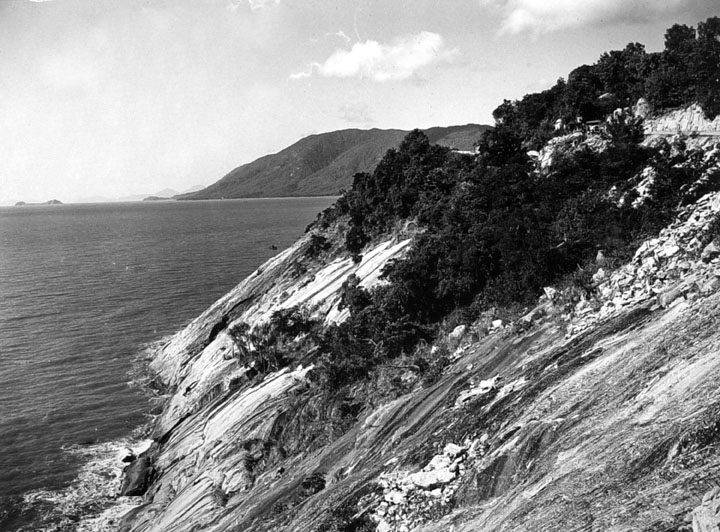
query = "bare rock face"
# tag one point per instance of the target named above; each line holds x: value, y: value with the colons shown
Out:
x: 216, y: 437
x: 689, y: 122
x: 605, y: 421
x: 565, y: 144
x: 410, y: 498
x: 706, y: 517
x: 138, y: 476
x: 666, y: 269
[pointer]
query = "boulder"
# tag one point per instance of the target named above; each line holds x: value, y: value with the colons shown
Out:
x: 457, y: 333
x: 439, y: 461
x: 670, y: 296
x: 396, y: 497
x: 138, y: 476
x: 383, y: 526
x: 428, y: 480
x: 649, y: 263
x: 453, y: 450
x: 710, y: 252
x: 669, y: 249
x: 706, y: 517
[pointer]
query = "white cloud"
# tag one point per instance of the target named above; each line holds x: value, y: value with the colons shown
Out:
x: 302, y: 75
x: 372, y: 60
x: 544, y: 16
x: 340, y: 34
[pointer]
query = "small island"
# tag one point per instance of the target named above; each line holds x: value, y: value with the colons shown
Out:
x: 50, y: 202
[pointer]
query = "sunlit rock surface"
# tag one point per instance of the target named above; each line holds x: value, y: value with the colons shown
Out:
x: 604, y: 418
x: 214, y: 426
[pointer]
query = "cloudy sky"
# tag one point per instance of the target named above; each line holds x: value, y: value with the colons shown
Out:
x: 117, y: 97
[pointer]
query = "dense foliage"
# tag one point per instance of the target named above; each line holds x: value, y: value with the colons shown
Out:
x: 496, y: 230
x: 686, y: 71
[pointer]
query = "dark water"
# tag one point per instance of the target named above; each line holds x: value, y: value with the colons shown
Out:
x: 84, y: 288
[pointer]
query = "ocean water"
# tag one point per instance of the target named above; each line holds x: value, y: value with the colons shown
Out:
x: 85, y: 290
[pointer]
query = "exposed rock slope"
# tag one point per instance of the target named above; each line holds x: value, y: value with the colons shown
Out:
x: 599, y: 415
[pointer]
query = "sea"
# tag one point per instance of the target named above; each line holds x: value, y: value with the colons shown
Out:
x: 87, y: 291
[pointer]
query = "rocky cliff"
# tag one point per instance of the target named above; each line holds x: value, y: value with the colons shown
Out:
x: 594, y: 413
x: 690, y: 121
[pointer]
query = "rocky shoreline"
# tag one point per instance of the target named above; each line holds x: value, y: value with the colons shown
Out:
x: 529, y: 422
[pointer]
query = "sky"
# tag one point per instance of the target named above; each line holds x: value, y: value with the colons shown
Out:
x: 108, y: 98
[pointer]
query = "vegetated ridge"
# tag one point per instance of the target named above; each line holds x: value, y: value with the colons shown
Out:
x: 521, y: 339
x: 323, y: 164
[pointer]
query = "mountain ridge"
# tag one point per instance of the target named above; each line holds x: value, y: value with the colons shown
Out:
x: 323, y: 164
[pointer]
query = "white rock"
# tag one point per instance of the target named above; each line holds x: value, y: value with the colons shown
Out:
x: 669, y: 249
x: 482, y: 388
x: 550, y: 292
x: 431, y: 479
x: 607, y: 292
x: 649, y: 263
x: 439, y: 461
x: 396, y: 497
x: 705, y: 516
x: 710, y: 252
x: 383, y: 526
x: 458, y: 332
x: 453, y: 450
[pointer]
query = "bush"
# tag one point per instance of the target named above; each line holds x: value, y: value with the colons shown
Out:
x: 316, y: 245
x: 495, y: 231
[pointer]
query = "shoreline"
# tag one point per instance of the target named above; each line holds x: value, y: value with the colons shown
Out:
x: 92, y: 501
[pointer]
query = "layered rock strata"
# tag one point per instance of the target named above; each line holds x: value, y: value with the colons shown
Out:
x: 604, y: 418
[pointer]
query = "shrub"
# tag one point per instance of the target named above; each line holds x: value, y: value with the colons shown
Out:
x: 495, y: 231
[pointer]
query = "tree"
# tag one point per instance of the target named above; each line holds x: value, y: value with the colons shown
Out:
x: 707, y: 66
x: 623, y: 72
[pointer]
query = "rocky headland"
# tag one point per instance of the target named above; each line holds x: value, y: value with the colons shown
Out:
x: 597, y: 412
x: 522, y: 336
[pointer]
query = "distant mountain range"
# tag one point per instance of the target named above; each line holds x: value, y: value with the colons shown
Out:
x: 322, y: 165
x: 165, y: 193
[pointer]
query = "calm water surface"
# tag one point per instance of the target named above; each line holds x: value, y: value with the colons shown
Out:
x: 83, y: 289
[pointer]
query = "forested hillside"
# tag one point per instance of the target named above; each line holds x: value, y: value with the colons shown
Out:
x: 323, y: 164
x: 523, y: 337
x: 497, y: 228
